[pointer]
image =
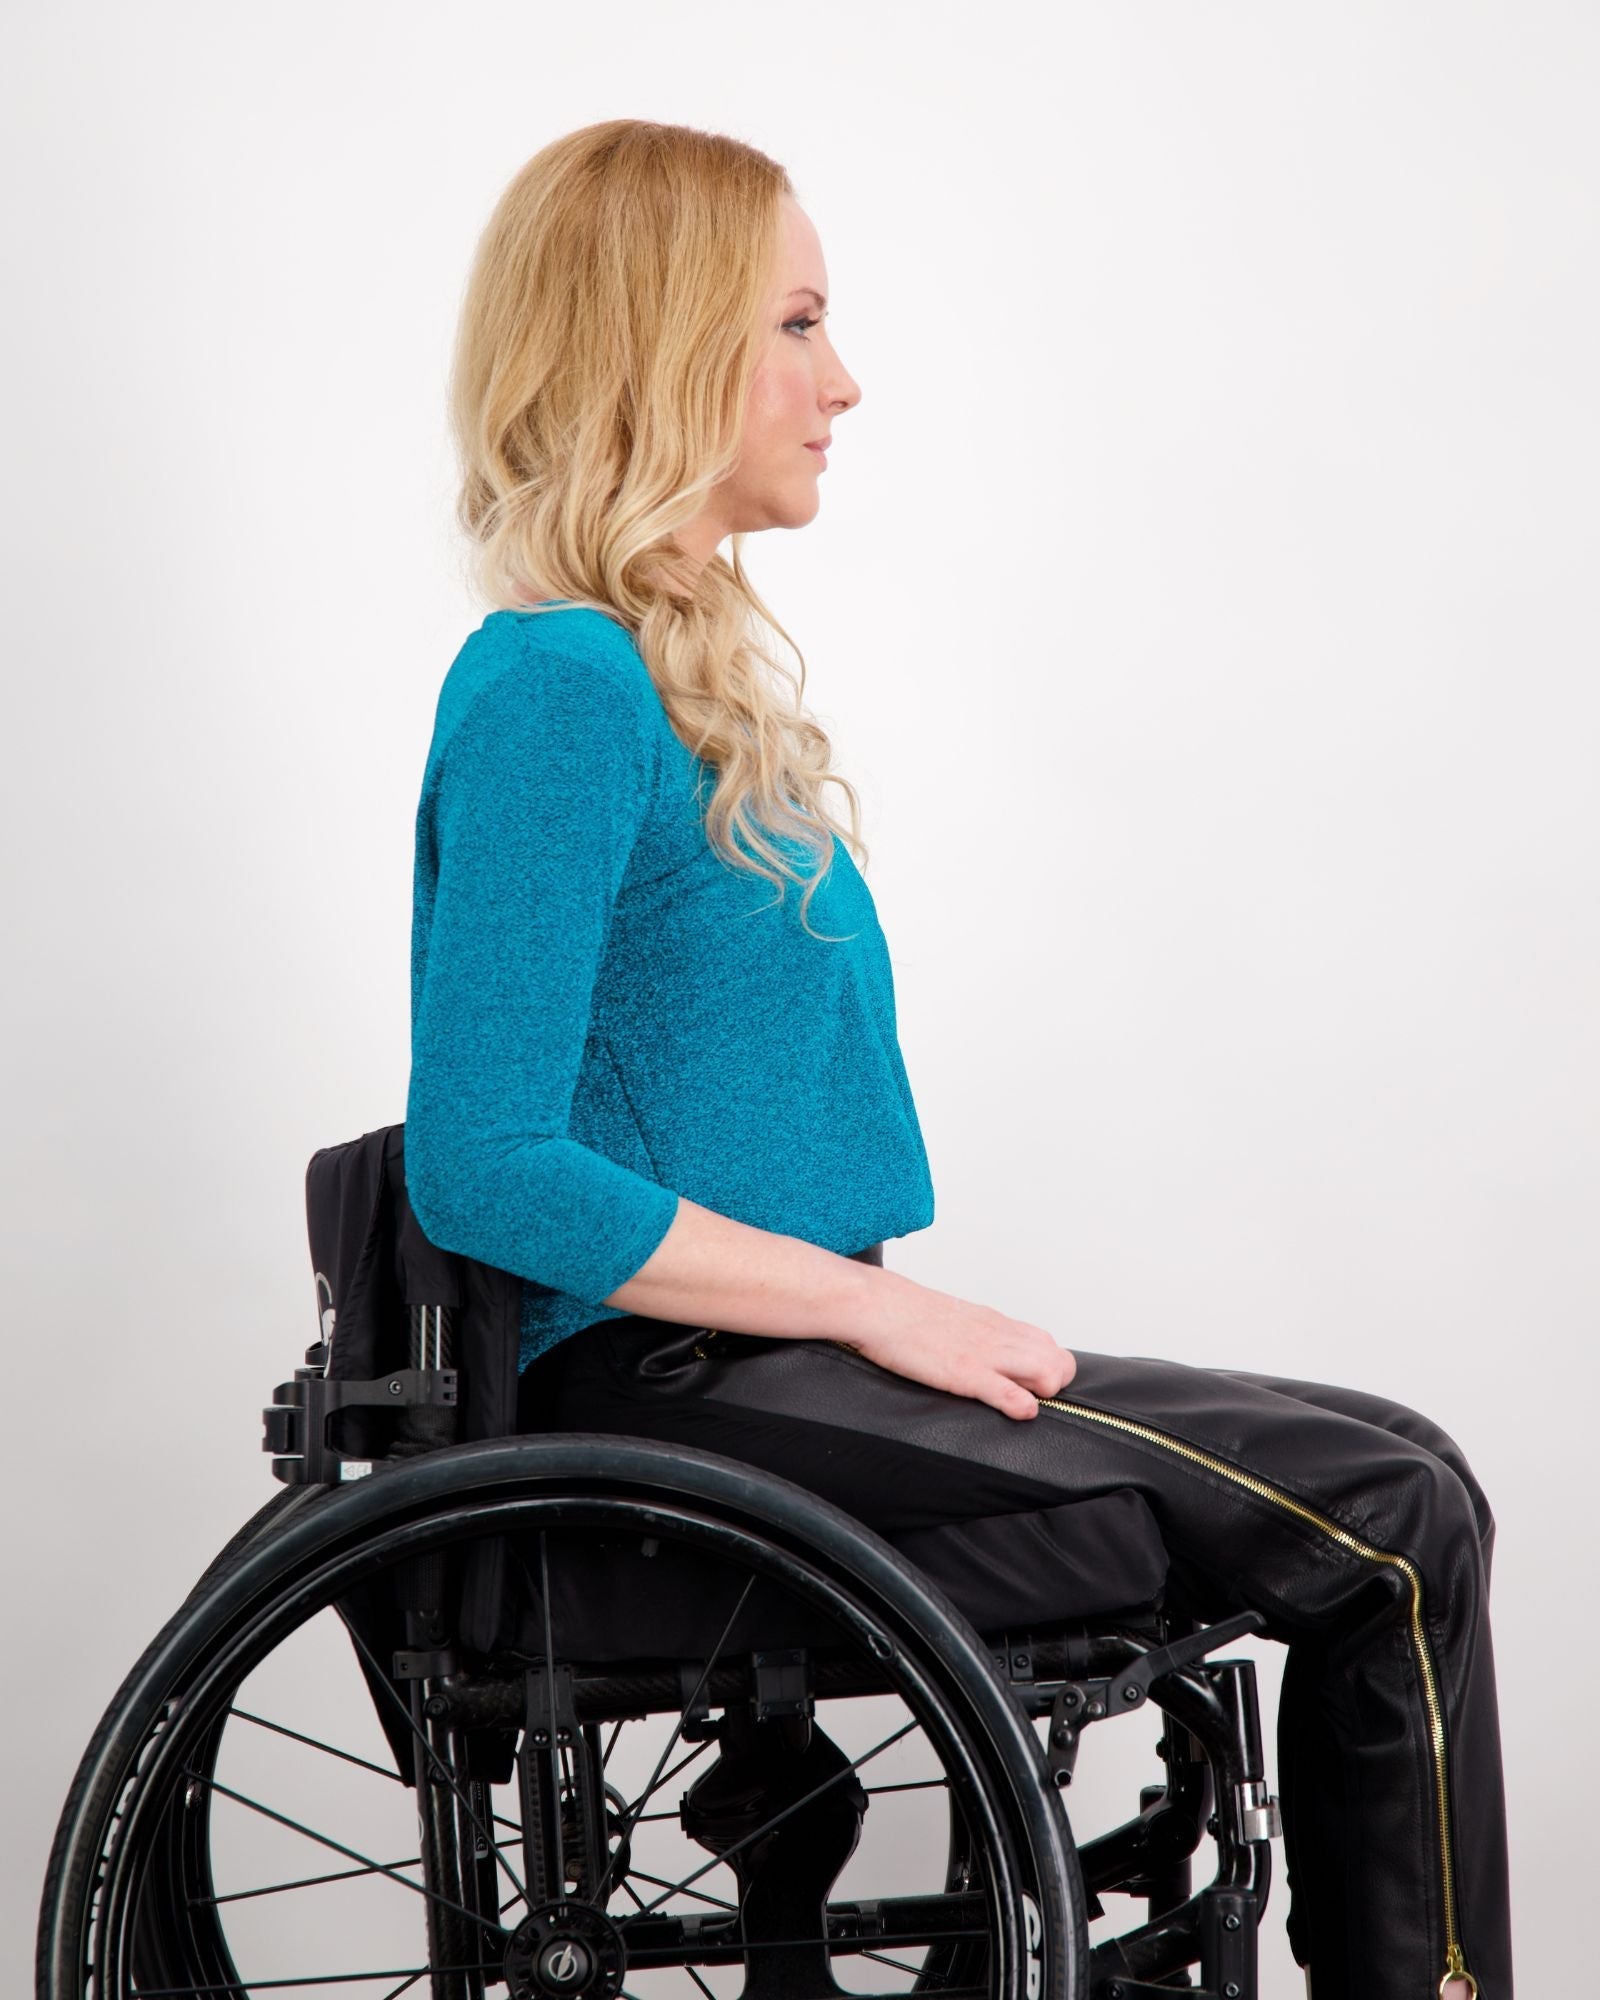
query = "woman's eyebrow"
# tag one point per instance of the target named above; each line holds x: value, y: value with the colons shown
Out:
x: 806, y: 291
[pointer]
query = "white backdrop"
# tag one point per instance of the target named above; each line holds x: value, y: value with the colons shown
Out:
x: 1203, y: 597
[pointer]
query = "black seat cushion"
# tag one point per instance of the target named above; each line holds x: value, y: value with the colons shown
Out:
x: 1078, y: 1560
x: 622, y: 1598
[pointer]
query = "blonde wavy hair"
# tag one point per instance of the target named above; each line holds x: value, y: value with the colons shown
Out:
x: 612, y: 322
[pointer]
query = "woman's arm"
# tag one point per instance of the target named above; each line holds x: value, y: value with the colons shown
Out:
x: 542, y: 787
x: 709, y: 1270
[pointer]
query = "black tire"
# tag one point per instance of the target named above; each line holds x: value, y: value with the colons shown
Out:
x: 128, y: 1882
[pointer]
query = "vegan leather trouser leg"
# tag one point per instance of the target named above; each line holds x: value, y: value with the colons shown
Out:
x: 1353, y: 1524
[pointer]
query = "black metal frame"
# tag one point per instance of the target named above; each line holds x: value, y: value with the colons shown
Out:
x: 1214, y: 1775
x: 417, y: 1355
x: 1211, y: 1751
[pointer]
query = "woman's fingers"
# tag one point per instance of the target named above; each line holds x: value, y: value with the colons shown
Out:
x: 1008, y: 1397
x: 1046, y: 1369
x: 974, y: 1352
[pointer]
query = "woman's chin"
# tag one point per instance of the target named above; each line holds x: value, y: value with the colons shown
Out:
x: 804, y: 506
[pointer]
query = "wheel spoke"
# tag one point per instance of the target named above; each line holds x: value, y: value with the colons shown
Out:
x: 328, y: 1749
x: 700, y: 1896
x: 556, y: 1814
x: 777, y: 1818
x: 666, y: 1777
x: 305, y: 1882
x: 381, y: 1679
x: 878, y: 1958
x: 409, y: 1974
x: 338, y: 1846
x: 656, y: 1779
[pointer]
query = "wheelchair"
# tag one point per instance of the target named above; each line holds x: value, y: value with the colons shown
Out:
x: 464, y: 1713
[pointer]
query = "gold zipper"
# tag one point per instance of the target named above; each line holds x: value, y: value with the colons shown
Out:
x: 1455, y: 1966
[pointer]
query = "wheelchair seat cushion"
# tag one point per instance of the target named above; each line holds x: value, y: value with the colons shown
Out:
x: 1078, y: 1560
x: 618, y: 1600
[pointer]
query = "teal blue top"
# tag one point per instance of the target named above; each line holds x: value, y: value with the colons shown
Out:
x: 604, y: 1017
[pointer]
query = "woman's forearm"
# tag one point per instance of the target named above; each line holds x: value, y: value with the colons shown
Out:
x: 709, y: 1270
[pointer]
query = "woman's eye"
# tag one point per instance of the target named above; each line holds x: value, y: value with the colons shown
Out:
x: 800, y: 322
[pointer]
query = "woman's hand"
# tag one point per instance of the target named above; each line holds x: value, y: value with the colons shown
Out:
x: 950, y: 1343
x: 709, y: 1270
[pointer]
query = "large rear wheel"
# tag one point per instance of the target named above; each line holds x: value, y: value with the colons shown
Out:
x: 717, y: 1739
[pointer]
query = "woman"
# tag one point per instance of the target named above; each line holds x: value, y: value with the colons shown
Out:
x: 647, y: 1081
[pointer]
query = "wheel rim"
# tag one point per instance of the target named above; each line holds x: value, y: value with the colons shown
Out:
x: 178, y: 1844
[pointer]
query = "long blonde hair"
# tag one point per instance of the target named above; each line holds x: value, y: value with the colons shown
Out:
x: 611, y: 325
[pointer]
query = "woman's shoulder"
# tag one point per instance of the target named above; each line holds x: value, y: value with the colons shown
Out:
x: 569, y: 644
x: 525, y: 669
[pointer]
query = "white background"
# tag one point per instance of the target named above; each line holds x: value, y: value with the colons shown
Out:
x: 1203, y: 597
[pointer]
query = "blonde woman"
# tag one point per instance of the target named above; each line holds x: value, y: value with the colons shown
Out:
x: 655, y: 1071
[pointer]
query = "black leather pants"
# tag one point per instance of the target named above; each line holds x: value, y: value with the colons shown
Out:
x: 1352, y: 1523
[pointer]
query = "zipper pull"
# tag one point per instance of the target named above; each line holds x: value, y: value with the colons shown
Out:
x: 1455, y: 1967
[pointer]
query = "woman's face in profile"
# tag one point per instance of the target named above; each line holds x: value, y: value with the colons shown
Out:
x: 799, y: 390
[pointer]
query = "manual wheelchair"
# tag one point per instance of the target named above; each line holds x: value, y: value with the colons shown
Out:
x: 462, y: 1713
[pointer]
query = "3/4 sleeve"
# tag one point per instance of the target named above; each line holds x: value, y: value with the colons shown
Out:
x: 542, y: 788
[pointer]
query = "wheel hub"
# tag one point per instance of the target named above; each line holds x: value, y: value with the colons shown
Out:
x: 565, y: 1949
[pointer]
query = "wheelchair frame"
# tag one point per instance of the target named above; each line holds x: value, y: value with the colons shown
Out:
x: 1076, y: 1674
x: 425, y: 1442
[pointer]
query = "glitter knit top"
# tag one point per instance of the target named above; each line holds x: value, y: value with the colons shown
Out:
x: 606, y: 1015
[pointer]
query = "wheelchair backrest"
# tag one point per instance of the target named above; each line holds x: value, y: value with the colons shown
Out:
x: 378, y: 1277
